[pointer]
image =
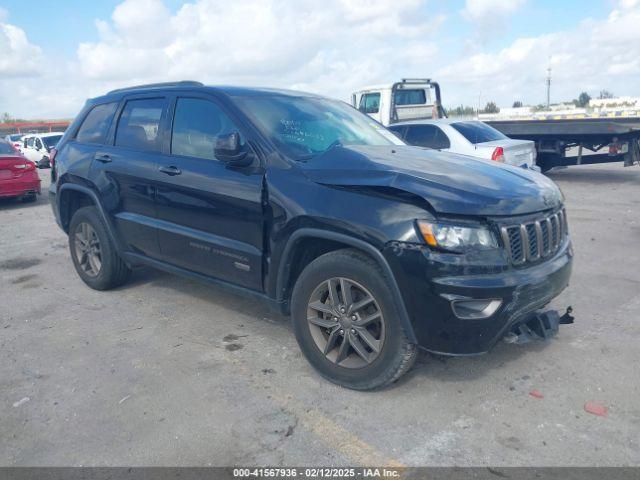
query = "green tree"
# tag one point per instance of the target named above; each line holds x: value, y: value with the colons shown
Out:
x: 491, y: 107
x: 582, y: 100
x: 7, y: 118
x: 517, y: 104
x: 461, y: 111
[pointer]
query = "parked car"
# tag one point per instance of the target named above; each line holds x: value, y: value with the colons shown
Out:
x: 18, y: 176
x: 374, y: 248
x: 36, y: 147
x: 15, y: 140
x: 467, y: 137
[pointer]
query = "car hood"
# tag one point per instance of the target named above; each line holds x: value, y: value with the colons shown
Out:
x: 450, y: 183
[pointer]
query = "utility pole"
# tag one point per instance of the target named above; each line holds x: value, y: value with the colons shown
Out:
x: 548, y: 87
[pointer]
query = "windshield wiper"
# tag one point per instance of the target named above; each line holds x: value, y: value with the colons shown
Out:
x: 335, y: 143
x: 304, y: 158
x: 309, y: 156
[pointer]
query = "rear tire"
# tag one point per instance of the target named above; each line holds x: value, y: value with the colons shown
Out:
x: 29, y: 198
x: 376, y: 355
x: 92, y: 252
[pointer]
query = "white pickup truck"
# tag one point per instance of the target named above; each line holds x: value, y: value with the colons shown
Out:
x: 409, y: 99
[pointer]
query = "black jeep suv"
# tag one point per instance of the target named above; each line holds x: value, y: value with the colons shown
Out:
x: 373, y: 247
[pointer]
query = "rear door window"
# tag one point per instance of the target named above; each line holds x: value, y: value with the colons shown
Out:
x: 139, y: 124
x: 369, y: 103
x: 428, y: 136
x: 96, y: 124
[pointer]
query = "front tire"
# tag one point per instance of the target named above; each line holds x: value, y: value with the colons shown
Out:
x: 94, y: 255
x: 347, y: 322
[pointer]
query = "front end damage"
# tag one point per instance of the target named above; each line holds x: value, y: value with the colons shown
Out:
x: 465, y: 305
x: 539, y: 326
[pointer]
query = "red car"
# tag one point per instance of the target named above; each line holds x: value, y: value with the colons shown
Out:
x: 18, y: 176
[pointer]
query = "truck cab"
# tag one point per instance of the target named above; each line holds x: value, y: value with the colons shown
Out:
x: 408, y: 99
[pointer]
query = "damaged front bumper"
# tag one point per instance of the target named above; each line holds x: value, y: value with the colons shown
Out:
x: 442, y: 291
x: 540, y: 326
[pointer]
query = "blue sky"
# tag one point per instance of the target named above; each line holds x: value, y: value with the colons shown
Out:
x: 78, y: 17
x: 495, y: 49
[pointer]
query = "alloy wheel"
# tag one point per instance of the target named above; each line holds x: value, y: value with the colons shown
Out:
x: 346, y: 322
x: 88, y: 251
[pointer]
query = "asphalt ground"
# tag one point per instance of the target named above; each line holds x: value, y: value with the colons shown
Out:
x: 167, y: 371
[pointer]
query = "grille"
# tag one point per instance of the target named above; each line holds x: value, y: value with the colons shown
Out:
x: 531, y: 241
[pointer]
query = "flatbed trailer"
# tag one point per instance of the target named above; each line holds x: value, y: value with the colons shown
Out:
x: 555, y: 137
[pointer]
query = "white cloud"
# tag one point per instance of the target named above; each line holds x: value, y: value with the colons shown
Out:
x: 330, y: 49
x: 628, y: 4
x: 481, y: 9
x: 18, y: 57
x: 270, y: 42
x: 488, y: 15
x: 597, y: 54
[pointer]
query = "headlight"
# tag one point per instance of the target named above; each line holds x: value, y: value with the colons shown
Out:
x: 457, y: 238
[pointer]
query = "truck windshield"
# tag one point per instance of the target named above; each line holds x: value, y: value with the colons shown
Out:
x: 307, y: 126
x: 51, y: 141
x: 478, y: 132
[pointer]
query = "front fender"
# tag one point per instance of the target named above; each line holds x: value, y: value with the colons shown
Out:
x: 284, y: 268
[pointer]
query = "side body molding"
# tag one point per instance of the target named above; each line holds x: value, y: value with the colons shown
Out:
x: 284, y: 268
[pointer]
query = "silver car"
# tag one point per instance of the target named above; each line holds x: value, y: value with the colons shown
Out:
x: 468, y: 137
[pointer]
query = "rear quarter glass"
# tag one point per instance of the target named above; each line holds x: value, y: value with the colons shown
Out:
x: 96, y: 124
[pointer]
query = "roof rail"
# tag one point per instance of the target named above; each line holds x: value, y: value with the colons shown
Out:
x: 183, y: 83
x: 416, y: 80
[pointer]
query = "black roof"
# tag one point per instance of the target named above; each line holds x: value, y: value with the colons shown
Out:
x: 198, y: 86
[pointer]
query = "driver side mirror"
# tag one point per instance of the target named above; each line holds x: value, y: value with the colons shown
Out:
x: 229, y: 149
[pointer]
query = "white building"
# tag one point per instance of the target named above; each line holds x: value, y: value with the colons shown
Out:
x: 614, y: 103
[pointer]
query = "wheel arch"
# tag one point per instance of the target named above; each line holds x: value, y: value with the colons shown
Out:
x: 289, y: 269
x: 72, y: 197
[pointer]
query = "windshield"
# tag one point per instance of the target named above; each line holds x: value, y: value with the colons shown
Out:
x: 15, y: 137
x: 307, y: 126
x: 7, y: 149
x: 51, y: 141
x: 478, y: 132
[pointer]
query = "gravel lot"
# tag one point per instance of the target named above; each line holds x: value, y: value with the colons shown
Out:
x: 167, y: 371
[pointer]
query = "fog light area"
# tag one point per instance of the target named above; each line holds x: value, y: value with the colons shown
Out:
x: 474, y: 309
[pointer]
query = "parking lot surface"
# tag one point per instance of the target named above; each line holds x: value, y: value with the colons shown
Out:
x: 167, y: 371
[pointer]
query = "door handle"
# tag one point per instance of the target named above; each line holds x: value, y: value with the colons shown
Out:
x: 103, y: 158
x: 170, y: 170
